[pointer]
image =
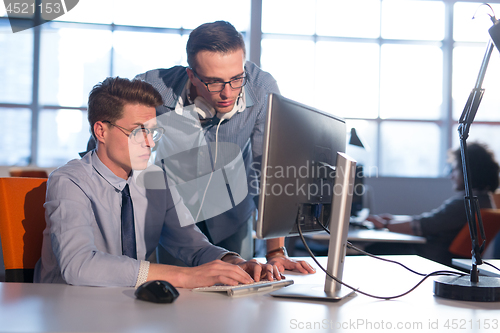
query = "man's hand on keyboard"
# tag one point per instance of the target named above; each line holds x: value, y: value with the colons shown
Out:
x: 255, y: 269
x: 231, y: 270
x: 213, y: 272
x: 285, y: 262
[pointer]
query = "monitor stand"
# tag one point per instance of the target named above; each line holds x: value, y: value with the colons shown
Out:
x: 339, y: 226
x: 312, y: 292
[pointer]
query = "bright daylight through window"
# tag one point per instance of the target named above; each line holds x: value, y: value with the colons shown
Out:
x: 400, y: 82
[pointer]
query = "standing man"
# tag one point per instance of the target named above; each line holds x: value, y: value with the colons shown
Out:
x: 102, y: 224
x: 228, y: 97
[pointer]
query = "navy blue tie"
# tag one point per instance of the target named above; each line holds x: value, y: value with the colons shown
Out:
x: 128, y: 228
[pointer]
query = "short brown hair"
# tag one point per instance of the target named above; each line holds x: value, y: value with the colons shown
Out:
x: 483, y: 168
x: 106, y: 100
x: 219, y: 36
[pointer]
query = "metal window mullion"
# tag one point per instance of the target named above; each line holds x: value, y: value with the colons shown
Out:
x: 255, y: 31
x: 447, y: 114
x: 112, y: 51
x: 35, y: 103
x: 378, y: 157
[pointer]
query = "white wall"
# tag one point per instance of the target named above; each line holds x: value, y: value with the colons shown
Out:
x: 408, y: 196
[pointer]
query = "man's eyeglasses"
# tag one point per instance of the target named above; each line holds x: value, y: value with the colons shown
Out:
x: 218, y: 86
x: 140, y: 134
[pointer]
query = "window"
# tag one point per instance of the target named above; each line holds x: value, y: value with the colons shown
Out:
x: 16, y: 65
x: 399, y: 71
x: 392, y: 68
x: 45, y: 85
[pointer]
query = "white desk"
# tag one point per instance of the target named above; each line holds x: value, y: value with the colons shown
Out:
x: 45, y: 307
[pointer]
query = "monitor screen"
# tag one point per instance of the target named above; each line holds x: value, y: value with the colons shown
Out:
x: 297, y: 174
x: 306, y: 179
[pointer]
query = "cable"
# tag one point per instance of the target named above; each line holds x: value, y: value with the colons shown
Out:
x: 351, y: 246
x: 436, y: 273
x: 492, y: 16
x: 213, y: 169
x: 491, y: 265
x: 322, y: 226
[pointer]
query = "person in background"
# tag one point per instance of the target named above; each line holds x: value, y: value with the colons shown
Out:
x: 441, y: 225
x: 102, y: 223
x: 228, y: 97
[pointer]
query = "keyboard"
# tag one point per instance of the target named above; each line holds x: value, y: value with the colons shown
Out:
x: 243, y: 289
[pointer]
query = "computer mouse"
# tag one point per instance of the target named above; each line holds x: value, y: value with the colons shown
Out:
x: 157, y: 291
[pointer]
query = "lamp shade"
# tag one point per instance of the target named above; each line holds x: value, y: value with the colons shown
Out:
x: 495, y: 34
x: 355, y: 140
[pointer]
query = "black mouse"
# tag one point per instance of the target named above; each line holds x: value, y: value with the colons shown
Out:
x: 157, y: 291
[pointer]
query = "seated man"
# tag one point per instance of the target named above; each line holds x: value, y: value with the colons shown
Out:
x: 441, y: 225
x: 102, y: 225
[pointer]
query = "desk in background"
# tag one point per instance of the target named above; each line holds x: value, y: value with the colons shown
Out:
x: 483, y: 269
x: 372, y: 236
x: 361, y: 237
x: 46, y: 307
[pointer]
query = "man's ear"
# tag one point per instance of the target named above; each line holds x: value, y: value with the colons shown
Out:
x: 190, y: 74
x: 99, y: 130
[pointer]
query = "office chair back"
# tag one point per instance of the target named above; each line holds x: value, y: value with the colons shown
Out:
x: 32, y: 173
x: 462, y: 245
x: 22, y: 221
x: 496, y: 247
x: 495, y: 196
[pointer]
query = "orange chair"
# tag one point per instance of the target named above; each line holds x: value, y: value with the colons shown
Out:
x: 33, y: 173
x: 462, y: 245
x: 495, y: 196
x: 22, y: 221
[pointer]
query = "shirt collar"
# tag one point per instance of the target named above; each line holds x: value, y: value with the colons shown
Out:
x: 108, y: 175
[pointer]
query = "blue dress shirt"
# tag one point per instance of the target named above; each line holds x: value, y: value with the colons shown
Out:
x: 82, y: 242
x: 244, y: 130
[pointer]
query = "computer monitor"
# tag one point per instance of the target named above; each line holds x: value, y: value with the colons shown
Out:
x: 305, y: 176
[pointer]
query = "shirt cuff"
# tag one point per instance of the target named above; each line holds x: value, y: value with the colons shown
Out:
x: 143, y: 273
x: 228, y: 253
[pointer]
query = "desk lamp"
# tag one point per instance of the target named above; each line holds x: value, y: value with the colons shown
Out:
x: 357, y: 197
x: 472, y: 287
x: 355, y: 140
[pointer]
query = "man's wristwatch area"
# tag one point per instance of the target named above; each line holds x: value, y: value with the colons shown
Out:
x: 234, y: 254
x: 276, y: 252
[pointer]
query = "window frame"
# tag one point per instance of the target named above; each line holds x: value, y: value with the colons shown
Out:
x: 254, y: 37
